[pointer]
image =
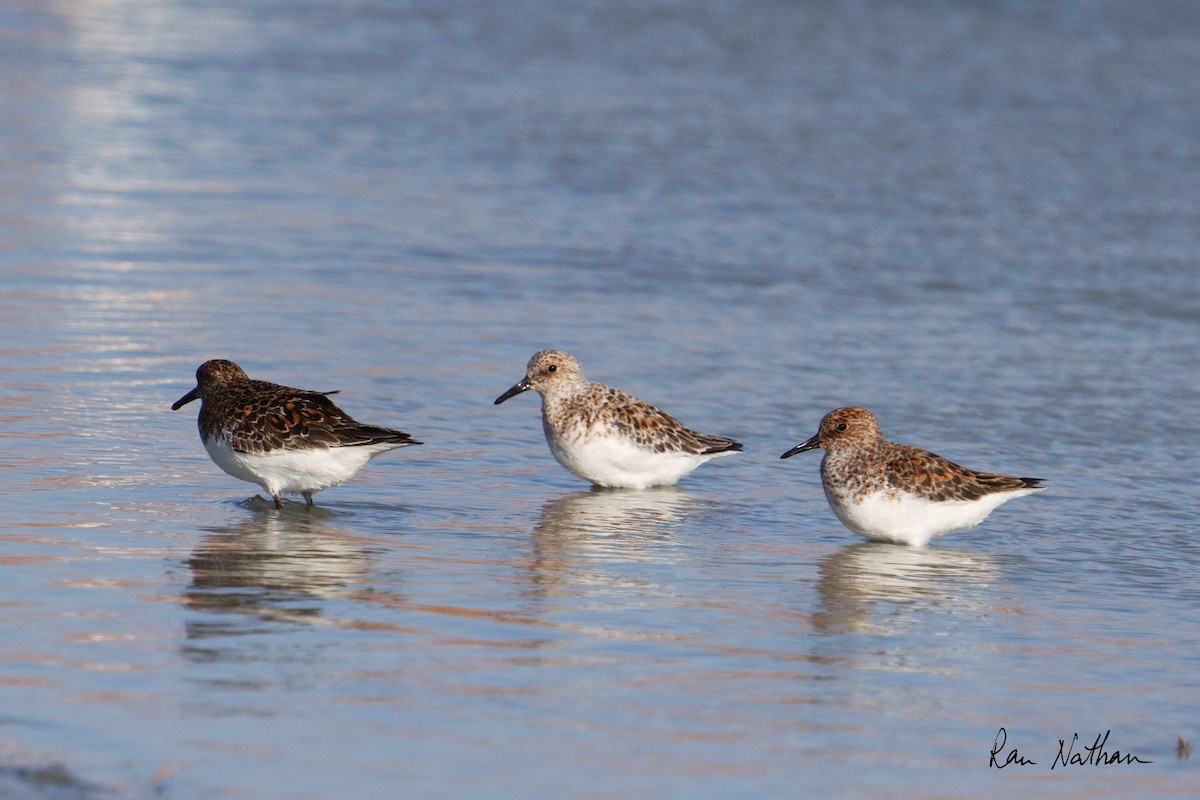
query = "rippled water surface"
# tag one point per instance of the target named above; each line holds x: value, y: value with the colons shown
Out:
x: 978, y: 219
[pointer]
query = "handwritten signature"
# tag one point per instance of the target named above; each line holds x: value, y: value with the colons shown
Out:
x: 1097, y: 753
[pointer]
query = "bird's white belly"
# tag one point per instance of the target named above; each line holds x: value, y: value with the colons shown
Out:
x: 617, y: 462
x: 900, y: 518
x: 291, y: 471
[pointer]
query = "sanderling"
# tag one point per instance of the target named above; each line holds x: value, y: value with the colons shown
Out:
x: 283, y: 439
x: 607, y: 437
x: 897, y: 493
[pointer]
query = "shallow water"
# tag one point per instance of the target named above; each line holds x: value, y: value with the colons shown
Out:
x: 979, y: 220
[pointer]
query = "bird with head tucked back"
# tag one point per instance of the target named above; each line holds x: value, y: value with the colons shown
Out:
x: 604, y: 435
x: 898, y: 493
x: 286, y: 440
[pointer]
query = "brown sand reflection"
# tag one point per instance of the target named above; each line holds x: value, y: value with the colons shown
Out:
x: 578, y: 533
x: 272, y: 566
x: 871, y: 587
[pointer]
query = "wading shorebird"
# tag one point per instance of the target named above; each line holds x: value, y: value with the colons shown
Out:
x: 898, y: 493
x: 285, y: 440
x: 604, y: 435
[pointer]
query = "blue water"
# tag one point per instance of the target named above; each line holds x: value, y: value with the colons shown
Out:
x: 980, y: 220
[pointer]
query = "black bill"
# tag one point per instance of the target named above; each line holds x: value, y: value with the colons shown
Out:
x: 522, y: 386
x: 807, y: 444
x: 194, y: 394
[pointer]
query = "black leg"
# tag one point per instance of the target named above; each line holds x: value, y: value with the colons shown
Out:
x: 278, y: 502
x: 307, y: 499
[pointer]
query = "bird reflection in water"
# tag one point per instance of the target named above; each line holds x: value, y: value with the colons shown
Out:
x: 580, y: 537
x: 277, y: 566
x: 870, y: 587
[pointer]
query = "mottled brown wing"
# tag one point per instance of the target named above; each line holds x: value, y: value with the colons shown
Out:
x: 655, y: 429
x: 358, y: 434
x: 928, y: 474
x: 258, y: 417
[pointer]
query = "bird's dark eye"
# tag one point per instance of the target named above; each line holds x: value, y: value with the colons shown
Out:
x: 841, y: 426
x: 552, y: 368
